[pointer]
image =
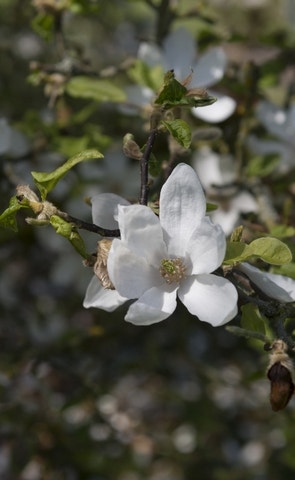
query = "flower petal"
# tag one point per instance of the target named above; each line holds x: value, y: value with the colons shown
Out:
x: 211, y: 298
x: 206, y: 247
x: 182, y: 206
x: 218, y: 111
x: 214, y: 169
x: 131, y: 274
x: 98, y: 297
x: 153, y: 306
x: 266, y: 147
x: 274, y: 119
x: 179, y: 52
x: 276, y: 286
x: 209, y: 68
x: 138, y: 97
x: 150, y: 54
x: 105, y: 209
x: 142, y: 233
x: 228, y: 219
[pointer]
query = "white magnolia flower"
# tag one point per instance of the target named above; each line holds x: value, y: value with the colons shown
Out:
x: 215, y: 170
x: 158, y: 258
x: 278, y: 287
x: 104, y: 214
x: 179, y: 53
x: 280, y: 124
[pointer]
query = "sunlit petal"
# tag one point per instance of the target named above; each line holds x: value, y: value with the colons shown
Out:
x: 211, y: 298
x: 206, y: 247
x: 182, y: 206
x: 131, y: 275
x: 141, y: 230
x: 98, y: 297
x: 155, y: 305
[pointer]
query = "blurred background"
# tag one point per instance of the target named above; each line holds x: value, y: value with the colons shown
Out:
x: 84, y: 395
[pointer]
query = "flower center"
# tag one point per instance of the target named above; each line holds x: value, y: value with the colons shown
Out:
x: 172, y: 270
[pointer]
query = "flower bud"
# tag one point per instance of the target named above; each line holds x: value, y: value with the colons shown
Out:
x: 280, y: 374
x: 100, y: 267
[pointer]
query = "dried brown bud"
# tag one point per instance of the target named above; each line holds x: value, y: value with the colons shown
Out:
x: 280, y: 374
x: 100, y: 267
x: 130, y: 147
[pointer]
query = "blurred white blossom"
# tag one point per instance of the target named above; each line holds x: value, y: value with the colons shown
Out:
x: 218, y: 174
x: 280, y: 124
x: 179, y: 52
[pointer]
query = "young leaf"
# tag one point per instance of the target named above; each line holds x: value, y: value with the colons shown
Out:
x: 68, y: 231
x: 282, y: 231
x: 234, y: 253
x: 252, y: 319
x: 7, y: 218
x: 143, y: 74
x: 271, y: 250
x: 262, y: 166
x: 171, y: 93
x: 94, y: 89
x: 47, y: 181
x: 180, y: 130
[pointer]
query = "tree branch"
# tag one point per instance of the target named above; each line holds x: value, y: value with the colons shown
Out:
x: 144, y: 166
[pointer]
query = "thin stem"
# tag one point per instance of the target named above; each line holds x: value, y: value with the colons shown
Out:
x: 144, y: 166
x: 91, y: 227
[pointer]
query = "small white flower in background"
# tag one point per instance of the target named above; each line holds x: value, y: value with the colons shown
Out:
x: 215, y: 170
x: 278, y: 287
x: 280, y: 124
x: 157, y: 259
x: 179, y: 53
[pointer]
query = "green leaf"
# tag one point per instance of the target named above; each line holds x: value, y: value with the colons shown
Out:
x: 7, y: 218
x: 282, y: 231
x: 287, y: 270
x: 68, y: 231
x: 43, y: 24
x: 234, y: 253
x: 180, y: 130
x: 174, y: 94
x: 143, y: 74
x: 172, y: 91
x: 155, y: 166
x: 47, y: 181
x: 269, y: 249
x: 252, y: 319
x: 262, y: 166
x: 95, y: 89
x: 210, y: 207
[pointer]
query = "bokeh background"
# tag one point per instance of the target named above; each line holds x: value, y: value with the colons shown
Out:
x: 84, y: 395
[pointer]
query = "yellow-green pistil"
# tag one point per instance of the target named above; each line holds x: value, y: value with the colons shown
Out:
x: 172, y: 270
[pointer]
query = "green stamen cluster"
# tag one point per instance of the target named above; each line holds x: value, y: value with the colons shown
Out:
x: 172, y: 270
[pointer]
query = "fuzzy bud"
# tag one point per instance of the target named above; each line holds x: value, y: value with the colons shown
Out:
x: 280, y: 374
x: 100, y: 267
